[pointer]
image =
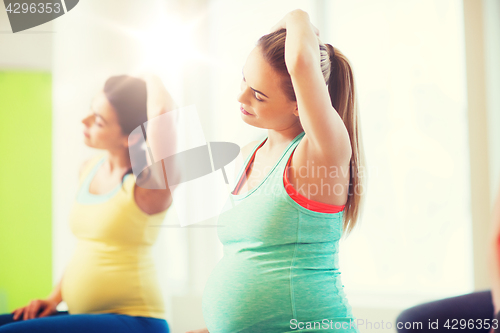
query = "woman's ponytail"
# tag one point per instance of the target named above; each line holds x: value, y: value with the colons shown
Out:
x: 341, y: 87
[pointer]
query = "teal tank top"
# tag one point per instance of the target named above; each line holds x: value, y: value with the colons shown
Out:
x: 280, y: 268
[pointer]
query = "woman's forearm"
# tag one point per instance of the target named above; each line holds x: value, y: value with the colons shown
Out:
x: 159, y: 100
x: 56, y: 295
x: 161, y: 130
x: 302, y: 43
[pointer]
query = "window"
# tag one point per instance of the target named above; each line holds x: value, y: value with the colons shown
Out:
x: 413, y: 243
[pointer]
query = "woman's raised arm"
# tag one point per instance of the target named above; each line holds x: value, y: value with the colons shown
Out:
x: 161, y: 141
x: 322, y: 125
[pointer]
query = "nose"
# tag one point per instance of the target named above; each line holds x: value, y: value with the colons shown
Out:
x: 242, y: 96
x: 239, y: 98
x: 87, y: 120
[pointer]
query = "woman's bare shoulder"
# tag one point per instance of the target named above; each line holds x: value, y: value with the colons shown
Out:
x: 84, y: 166
x: 245, y: 150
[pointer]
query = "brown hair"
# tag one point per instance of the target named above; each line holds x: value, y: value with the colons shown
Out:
x: 339, y: 77
x: 128, y: 97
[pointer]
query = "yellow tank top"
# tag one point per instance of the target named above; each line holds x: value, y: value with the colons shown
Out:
x: 112, y: 269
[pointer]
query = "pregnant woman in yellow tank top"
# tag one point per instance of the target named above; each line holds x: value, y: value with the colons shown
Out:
x: 110, y: 284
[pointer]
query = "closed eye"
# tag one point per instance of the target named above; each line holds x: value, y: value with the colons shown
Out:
x: 255, y: 92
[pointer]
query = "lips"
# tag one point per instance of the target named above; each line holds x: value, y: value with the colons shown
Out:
x: 86, y: 134
x: 245, y: 111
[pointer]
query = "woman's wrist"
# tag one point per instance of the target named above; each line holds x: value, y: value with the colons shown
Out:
x: 296, y: 14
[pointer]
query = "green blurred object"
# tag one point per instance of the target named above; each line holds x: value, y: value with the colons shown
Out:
x: 3, y: 301
x: 25, y: 186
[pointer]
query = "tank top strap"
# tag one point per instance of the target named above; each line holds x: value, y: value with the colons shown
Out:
x: 245, y: 163
x: 280, y: 168
x: 90, y: 166
x: 277, y: 166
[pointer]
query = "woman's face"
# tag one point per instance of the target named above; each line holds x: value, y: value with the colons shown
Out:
x: 262, y: 95
x: 102, y: 130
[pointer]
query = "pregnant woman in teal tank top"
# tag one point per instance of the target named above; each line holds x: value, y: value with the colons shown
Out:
x: 280, y: 270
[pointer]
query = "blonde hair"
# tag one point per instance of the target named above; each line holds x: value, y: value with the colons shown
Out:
x: 339, y: 77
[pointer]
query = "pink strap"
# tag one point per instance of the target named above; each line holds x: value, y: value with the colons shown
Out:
x: 246, y: 169
x: 305, y: 202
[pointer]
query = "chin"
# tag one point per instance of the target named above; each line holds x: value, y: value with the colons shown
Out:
x: 245, y: 119
x: 254, y: 124
x: 86, y: 141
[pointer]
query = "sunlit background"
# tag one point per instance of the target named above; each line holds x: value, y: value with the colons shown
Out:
x: 426, y: 73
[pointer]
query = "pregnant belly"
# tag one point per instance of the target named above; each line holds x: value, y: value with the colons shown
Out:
x: 243, y: 294
x: 239, y: 293
x: 97, y: 281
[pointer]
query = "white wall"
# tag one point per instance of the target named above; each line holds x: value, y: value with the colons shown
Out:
x: 28, y: 50
x: 491, y: 14
x: 413, y: 242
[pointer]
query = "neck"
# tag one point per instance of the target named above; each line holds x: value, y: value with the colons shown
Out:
x: 117, y: 161
x: 277, y: 140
